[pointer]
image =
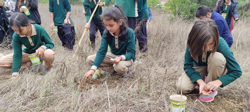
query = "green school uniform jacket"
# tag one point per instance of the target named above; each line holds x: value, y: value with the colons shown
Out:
x: 232, y: 66
x: 125, y: 48
x: 60, y: 10
x: 89, y: 8
x: 142, y: 9
x: 38, y: 38
x: 129, y: 7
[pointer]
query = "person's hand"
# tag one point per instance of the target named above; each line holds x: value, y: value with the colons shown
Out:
x: 87, y: 26
x: 89, y: 73
x: 213, y: 85
x: 21, y: 9
x: 148, y: 22
x: 66, y: 21
x: 39, y: 51
x: 203, y: 90
x: 100, y: 4
x: 116, y: 60
x: 52, y: 25
x: 236, y: 19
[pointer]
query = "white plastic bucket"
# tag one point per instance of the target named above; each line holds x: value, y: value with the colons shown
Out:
x: 178, y: 102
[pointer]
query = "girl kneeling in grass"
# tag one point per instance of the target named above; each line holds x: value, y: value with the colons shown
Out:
x: 35, y: 39
x: 121, y: 40
x: 207, y: 54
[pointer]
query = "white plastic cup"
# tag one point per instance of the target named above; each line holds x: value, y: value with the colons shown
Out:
x: 178, y: 102
x: 25, y: 10
x: 34, y: 59
x: 96, y: 75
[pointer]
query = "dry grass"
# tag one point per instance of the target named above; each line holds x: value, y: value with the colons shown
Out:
x: 147, y: 89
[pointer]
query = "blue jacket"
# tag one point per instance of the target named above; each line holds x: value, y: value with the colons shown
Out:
x: 232, y: 11
x: 150, y: 13
x: 4, y: 22
x: 33, y: 9
x: 222, y: 27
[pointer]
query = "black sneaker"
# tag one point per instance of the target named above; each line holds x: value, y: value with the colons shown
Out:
x: 113, y: 74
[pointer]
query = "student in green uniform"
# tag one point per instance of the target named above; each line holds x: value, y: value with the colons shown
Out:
x: 121, y: 40
x: 130, y: 10
x: 141, y: 33
x: 207, y: 54
x: 89, y: 6
x: 32, y: 6
x: 60, y: 17
x: 35, y: 39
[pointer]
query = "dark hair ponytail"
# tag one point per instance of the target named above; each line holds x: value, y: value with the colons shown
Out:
x: 111, y: 13
x: 19, y: 19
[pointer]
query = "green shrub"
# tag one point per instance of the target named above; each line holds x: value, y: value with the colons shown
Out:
x: 184, y: 8
x: 153, y: 3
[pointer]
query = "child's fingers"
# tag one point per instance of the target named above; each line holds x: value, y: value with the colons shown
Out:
x: 37, y: 52
x: 86, y: 76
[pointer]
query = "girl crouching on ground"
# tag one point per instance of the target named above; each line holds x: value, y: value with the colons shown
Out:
x: 35, y: 39
x: 121, y: 40
x: 208, y: 55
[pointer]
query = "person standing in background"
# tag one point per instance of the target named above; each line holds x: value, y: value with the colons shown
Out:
x: 130, y: 10
x: 150, y: 16
x: 228, y: 9
x: 89, y: 6
x: 4, y: 22
x: 32, y: 6
x: 141, y: 27
x: 59, y: 18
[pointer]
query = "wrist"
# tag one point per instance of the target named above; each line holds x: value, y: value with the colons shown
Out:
x: 93, y: 69
x: 43, y: 48
x: 200, y: 82
x: 219, y: 82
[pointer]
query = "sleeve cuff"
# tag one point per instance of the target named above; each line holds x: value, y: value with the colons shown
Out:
x: 15, y: 73
x: 123, y: 58
x: 93, y: 67
x: 44, y: 47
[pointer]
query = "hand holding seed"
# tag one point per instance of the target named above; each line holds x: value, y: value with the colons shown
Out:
x: 89, y: 73
x: 116, y: 60
x: 39, y: 52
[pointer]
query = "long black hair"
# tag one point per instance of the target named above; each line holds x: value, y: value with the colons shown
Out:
x: 19, y: 19
x: 116, y: 13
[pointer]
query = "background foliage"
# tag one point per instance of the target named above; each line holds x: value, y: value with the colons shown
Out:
x: 187, y: 8
x: 183, y: 8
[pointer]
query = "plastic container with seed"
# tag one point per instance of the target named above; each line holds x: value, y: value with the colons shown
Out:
x: 34, y: 59
x: 26, y: 10
x: 55, y: 30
